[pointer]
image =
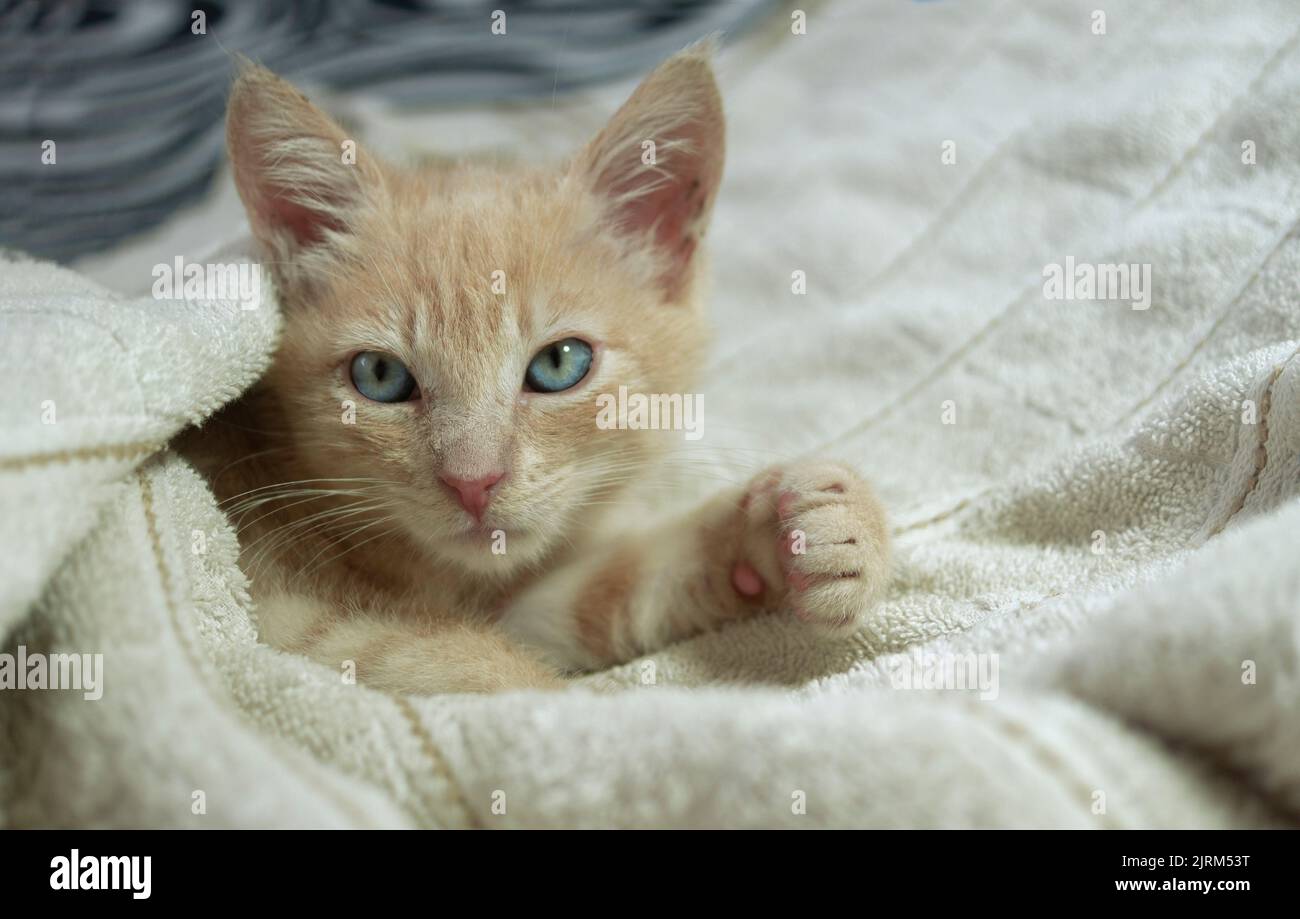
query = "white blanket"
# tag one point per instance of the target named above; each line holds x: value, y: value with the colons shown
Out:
x: 1109, y: 524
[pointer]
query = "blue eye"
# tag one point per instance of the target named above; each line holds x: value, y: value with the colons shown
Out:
x: 382, y: 377
x: 559, y: 366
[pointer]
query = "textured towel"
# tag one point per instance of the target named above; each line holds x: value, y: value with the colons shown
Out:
x: 1095, y: 504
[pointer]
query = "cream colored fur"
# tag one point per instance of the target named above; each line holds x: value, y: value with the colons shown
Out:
x: 359, y: 554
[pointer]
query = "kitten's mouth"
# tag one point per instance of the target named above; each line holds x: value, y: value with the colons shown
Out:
x: 487, y: 529
x: 489, y: 543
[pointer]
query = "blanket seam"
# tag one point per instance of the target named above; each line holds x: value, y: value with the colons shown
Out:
x: 1261, y: 446
x: 439, y: 760
x: 1264, y: 72
x: 1216, y: 324
x: 1159, y: 387
x: 938, y: 221
x: 1056, y: 765
x: 166, y: 585
x: 943, y: 515
x: 1267, y: 70
x: 122, y: 451
x: 978, y: 337
x: 1150, y: 397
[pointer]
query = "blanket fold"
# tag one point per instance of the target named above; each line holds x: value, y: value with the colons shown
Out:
x: 1094, y: 487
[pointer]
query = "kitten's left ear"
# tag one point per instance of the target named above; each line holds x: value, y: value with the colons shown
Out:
x: 658, y: 162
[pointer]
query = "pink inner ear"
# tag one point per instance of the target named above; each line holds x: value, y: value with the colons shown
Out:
x: 306, y: 225
x: 679, y: 197
x: 275, y: 206
x: 669, y: 209
x: 672, y: 209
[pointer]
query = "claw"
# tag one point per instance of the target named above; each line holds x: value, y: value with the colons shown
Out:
x: 785, y: 503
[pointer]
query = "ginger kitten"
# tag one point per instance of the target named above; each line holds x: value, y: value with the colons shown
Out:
x: 462, y: 534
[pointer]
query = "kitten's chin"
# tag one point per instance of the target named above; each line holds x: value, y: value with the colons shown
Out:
x: 490, y: 550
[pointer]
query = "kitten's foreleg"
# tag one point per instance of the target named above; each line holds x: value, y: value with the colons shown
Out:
x: 808, y: 538
x: 399, y: 656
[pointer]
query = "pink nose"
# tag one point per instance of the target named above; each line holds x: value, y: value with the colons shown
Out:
x: 474, y: 494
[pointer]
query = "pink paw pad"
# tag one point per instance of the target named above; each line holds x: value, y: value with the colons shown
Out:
x: 746, y: 580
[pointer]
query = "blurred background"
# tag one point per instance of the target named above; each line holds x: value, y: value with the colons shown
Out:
x: 132, y: 92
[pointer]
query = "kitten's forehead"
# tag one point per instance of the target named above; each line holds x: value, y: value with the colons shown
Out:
x: 467, y: 276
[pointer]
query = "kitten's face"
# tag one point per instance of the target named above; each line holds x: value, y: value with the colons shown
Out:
x: 448, y: 331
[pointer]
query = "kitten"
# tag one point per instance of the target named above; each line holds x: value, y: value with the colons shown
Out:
x: 452, y: 537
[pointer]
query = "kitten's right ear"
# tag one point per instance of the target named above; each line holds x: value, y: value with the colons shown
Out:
x: 299, y: 175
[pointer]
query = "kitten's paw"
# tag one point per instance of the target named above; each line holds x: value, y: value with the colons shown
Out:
x: 814, y: 542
